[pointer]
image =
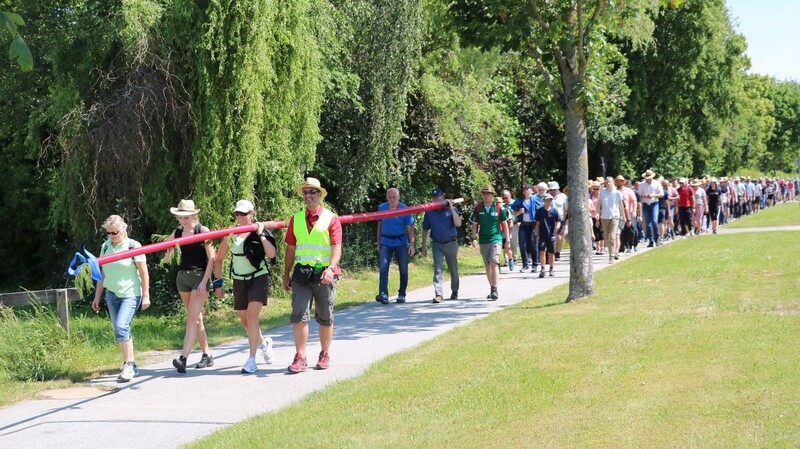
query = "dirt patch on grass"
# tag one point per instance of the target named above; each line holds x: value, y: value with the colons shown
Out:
x: 787, y: 310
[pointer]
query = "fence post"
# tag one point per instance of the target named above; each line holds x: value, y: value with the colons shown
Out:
x: 62, y: 303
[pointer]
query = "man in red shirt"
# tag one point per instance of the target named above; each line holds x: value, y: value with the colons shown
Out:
x: 311, y: 270
x: 685, y: 206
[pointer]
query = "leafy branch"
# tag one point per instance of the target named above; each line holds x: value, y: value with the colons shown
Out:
x: 18, y: 50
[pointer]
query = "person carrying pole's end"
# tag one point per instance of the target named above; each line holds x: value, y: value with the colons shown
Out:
x: 311, y: 270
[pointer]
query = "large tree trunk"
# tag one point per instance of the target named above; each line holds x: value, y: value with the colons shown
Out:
x: 581, y: 278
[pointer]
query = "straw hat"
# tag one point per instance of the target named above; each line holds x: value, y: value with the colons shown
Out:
x: 696, y: 183
x: 311, y: 183
x: 619, y: 178
x: 648, y: 174
x: 488, y: 189
x: 184, y: 209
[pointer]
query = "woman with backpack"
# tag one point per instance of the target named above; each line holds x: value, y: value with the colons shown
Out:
x: 250, y: 273
x: 127, y: 286
x: 194, y: 272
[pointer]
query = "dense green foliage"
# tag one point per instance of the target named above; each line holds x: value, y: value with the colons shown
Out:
x: 134, y: 104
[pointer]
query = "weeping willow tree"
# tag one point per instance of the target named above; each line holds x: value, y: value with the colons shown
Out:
x: 362, y: 121
x: 260, y: 86
x: 212, y: 101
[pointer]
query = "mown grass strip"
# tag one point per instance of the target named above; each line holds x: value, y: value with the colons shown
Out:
x: 690, y: 345
x: 785, y: 214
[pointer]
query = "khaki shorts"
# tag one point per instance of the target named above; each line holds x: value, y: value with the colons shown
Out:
x: 250, y: 290
x: 189, y: 280
x: 322, y: 295
x: 490, y: 253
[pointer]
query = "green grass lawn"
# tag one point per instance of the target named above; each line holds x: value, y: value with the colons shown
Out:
x: 691, y: 345
x: 786, y: 214
x: 32, y: 341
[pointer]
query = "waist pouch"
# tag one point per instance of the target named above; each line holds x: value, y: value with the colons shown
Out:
x: 303, y: 274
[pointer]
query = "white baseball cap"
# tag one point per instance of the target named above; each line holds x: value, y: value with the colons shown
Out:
x: 243, y: 206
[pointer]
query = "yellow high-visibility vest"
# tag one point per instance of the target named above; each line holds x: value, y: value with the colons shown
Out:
x: 314, y: 246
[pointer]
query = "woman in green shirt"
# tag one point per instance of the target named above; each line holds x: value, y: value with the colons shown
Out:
x: 127, y: 286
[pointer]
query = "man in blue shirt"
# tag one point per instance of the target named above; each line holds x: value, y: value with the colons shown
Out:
x: 548, y: 223
x: 395, y: 237
x: 443, y: 224
x: 524, y: 208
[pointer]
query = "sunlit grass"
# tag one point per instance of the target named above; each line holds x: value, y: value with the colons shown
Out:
x: 786, y: 214
x: 693, y: 344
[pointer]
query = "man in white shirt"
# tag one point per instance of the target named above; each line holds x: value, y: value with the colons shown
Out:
x: 560, y: 201
x: 611, y: 209
x: 649, y: 192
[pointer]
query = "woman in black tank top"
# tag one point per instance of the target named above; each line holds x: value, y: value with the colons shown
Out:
x: 196, y: 265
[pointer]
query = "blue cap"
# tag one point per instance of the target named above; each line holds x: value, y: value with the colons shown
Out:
x: 437, y: 192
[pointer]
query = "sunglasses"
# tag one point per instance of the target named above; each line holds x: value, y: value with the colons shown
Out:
x: 112, y: 233
x: 310, y: 192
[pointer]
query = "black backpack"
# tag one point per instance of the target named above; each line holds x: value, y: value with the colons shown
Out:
x: 253, y: 250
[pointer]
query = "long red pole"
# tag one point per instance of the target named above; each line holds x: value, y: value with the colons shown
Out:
x: 96, y: 262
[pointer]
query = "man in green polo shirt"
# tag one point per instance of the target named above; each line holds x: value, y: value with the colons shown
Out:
x: 490, y: 231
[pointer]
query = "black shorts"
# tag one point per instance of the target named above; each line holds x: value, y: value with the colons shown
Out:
x: 662, y: 215
x: 250, y: 290
x: 547, y: 246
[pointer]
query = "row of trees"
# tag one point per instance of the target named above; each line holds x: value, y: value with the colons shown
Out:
x: 134, y: 104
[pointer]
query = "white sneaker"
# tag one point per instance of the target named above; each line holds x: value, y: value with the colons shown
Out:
x: 525, y: 269
x: 266, y: 350
x: 250, y: 366
x: 127, y: 373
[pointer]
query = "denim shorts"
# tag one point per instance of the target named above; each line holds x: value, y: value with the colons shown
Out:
x: 122, y: 311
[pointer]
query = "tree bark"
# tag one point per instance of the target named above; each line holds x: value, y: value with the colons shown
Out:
x: 581, y: 278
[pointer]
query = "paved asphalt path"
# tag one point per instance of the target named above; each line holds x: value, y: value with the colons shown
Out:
x: 163, y: 409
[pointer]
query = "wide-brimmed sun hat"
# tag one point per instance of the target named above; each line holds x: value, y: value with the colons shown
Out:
x: 184, y: 209
x: 488, y: 189
x: 648, y: 174
x: 311, y: 183
x: 552, y: 185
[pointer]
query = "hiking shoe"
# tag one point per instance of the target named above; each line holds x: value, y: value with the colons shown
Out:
x: 180, y: 364
x: 650, y: 245
x: 438, y: 299
x: 552, y: 273
x: 453, y: 296
x: 298, y: 365
x: 541, y: 273
x: 266, y: 350
x: 127, y: 372
x: 401, y: 299
x: 511, y: 265
x: 205, y: 361
x: 382, y: 298
x: 493, y: 296
x: 324, y: 361
x: 250, y: 366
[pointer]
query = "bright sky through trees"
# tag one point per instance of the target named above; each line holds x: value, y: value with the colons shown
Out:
x: 772, y: 32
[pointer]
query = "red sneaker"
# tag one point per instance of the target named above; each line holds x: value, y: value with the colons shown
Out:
x: 324, y: 360
x: 299, y: 364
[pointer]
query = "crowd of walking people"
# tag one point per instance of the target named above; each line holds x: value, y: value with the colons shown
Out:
x: 625, y: 213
